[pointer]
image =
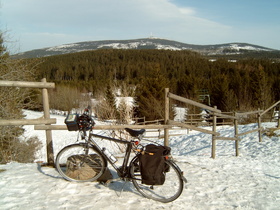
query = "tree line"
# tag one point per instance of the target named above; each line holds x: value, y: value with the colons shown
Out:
x: 242, y: 85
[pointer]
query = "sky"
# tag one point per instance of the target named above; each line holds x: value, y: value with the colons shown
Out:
x: 35, y: 24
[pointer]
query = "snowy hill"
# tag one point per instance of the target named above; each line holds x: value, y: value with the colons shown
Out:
x: 145, y: 43
x: 250, y: 181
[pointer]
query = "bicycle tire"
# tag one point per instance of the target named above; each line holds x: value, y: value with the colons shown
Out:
x: 80, y: 163
x: 169, y: 191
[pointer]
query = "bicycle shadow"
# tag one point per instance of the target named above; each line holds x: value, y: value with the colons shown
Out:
x: 53, y: 174
x: 197, y: 150
x: 118, y: 186
x: 121, y: 186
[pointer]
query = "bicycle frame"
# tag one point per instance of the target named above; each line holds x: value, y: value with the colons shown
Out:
x: 87, y: 161
x: 123, y: 170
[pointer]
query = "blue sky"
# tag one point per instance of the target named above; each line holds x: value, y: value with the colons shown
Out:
x: 35, y: 24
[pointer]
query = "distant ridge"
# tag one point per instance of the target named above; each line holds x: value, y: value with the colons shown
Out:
x: 145, y: 43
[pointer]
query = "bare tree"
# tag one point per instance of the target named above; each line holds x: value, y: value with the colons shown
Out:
x: 13, y: 101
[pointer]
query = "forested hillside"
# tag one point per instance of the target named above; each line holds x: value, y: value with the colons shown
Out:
x: 243, y: 85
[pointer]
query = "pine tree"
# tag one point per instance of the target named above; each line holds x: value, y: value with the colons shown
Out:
x: 222, y: 96
x: 260, y: 88
x: 106, y: 107
x: 150, y: 95
x: 110, y: 97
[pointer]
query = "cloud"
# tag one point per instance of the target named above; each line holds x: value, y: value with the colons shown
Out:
x: 187, y: 11
x: 49, y: 39
x: 43, y: 23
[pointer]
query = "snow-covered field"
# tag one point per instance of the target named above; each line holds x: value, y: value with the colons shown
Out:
x: 250, y: 181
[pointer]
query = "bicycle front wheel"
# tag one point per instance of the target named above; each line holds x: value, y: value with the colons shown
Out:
x: 80, y: 163
x: 169, y: 191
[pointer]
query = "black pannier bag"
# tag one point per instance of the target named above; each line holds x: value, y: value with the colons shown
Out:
x: 152, y: 164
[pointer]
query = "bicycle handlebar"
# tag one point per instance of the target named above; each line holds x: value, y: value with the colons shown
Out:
x: 85, y: 122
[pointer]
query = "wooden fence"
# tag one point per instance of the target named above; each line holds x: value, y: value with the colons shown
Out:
x: 215, y: 114
x: 44, y: 85
x: 170, y: 124
x: 46, y: 123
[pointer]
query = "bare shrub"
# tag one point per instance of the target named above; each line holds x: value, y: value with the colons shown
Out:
x: 24, y: 151
x: 103, y: 109
x: 13, y: 100
x: 115, y: 103
x: 66, y: 98
x: 14, y: 149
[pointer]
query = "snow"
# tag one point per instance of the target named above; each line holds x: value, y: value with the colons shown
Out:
x: 238, y: 47
x: 132, y: 45
x: 61, y: 47
x: 129, y: 101
x: 250, y: 181
x: 135, y: 45
x: 180, y: 114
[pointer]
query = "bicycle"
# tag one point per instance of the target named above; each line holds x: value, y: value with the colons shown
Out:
x: 87, y: 161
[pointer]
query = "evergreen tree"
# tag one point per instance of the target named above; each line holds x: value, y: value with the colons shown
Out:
x: 222, y: 96
x: 106, y: 107
x: 110, y: 97
x: 186, y: 71
x: 260, y: 88
x: 150, y: 97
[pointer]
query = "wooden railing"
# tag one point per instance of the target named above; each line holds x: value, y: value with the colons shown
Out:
x: 46, y: 122
x: 170, y: 124
x: 216, y: 113
x: 44, y: 85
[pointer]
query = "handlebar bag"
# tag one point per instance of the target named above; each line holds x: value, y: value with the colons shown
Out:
x: 71, y: 122
x: 152, y: 164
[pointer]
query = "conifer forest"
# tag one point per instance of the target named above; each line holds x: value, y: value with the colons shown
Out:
x: 239, y: 85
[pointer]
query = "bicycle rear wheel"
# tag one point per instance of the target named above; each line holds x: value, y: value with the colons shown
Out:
x: 80, y: 163
x: 169, y: 191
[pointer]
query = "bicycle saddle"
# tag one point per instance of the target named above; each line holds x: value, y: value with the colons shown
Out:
x: 135, y: 133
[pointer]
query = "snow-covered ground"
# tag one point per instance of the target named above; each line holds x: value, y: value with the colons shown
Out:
x: 250, y: 181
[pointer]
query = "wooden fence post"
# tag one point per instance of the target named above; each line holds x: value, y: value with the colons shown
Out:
x: 213, y: 155
x: 166, y: 117
x: 259, y: 125
x: 50, y: 155
x: 278, y: 112
x: 236, y: 135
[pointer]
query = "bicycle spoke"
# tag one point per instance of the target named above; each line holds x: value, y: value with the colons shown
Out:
x: 77, y: 163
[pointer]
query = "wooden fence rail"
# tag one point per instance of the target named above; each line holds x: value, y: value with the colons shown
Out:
x: 44, y: 85
x: 215, y: 114
x: 277, y: 104
x: 252, y: 131
x: 103, y: 127
x: 27, y: 122
x: 183, y: 125
x: 274, y: 105
x: 191, y: 102
x: 46, y: 123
